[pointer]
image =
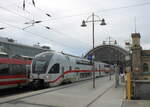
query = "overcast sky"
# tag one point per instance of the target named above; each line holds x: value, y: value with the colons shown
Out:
x: 66, y: 34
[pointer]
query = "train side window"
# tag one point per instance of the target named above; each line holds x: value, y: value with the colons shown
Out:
x: 99, y: 67
x: 4, y: 69
x: 63, y: 71
x: 23, y: 69
x: 70, y: 68
x: 54, y: 69
x: 77, y: 68
x: 18, y: 69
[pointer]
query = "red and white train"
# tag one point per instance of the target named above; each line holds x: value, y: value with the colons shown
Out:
x: 53, y: 68
x: 14, y: 71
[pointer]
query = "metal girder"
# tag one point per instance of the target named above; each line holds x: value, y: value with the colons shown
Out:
x: 108, y: 53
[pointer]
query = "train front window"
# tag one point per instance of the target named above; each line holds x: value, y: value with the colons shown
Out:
x: 40, y: 63
x: 55, y: 69
x: 4, y: 69
x: 40, y: 66
x: 3, y: 56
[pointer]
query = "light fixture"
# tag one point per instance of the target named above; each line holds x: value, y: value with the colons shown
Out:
x: 83, y: 24
x: 103, y: 22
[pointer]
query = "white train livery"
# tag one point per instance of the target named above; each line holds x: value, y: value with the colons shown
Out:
x: 53, y: 68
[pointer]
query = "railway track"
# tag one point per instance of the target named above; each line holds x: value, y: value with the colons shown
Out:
x: 14, y: 91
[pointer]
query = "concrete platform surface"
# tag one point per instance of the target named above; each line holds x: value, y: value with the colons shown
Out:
x: 79, y: 95
x: 136, y: 103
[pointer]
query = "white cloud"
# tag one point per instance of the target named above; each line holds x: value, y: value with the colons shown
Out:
x: 66, y: 33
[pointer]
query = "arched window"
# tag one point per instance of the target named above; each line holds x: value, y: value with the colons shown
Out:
x: 145, y: 67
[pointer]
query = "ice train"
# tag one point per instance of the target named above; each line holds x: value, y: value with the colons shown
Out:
x: 53, y: 68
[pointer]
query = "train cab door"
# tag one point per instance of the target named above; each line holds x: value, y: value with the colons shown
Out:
x: 77, y: 73
x: 54, y: 73
x: 99, y: 70
x: 62, y: 71
x: 28, y: 71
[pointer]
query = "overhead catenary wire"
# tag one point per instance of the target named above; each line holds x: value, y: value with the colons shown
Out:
x: 98, y: 11
x: 12, y: 12
x: 17, y: 14
x: 24, y: 4
x: 104, y: 10
x: 64, y: 34
x: 47, y: 14
x: 58, y: 32
x: 35, y: 34
x: 124, y: 7
x: 129, y: 6
x: 85, y: 13
x: 14, y: 4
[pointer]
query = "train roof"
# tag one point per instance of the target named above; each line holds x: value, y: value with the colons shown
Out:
x: 69, y: 55
x: 3, y: 53
x: 23, y: 56
x: 55, y: 52
x: 73, y: 56
x: 27, y: 57
x: 46, y: 52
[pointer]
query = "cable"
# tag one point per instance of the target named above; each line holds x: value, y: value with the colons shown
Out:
x: 104, y: 10
x: 98, y: 11
x: 31, y: 19
x: 64, y: 34
x: 23, y: 17
x: 45, y: 13
x: 14, y: 13
x: 123, y: 7
x: 14, y: 4
x: 38, y: 35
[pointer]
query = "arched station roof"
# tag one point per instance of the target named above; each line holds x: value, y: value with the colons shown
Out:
x: 108, y: 53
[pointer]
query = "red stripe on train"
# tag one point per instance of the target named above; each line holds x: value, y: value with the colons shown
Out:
x: 28, y: 62
x: 13, y: 82
x: 72, y: 71
x: 14, y: 61
x: 13, y: 76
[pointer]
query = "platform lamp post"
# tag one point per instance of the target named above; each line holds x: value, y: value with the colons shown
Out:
x: 93, y: 22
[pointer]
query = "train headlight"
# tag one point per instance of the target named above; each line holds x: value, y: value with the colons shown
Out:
x: 31, y: 76
x: 47, y: 77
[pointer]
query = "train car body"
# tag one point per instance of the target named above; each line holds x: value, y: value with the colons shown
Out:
x: 53, y: 68
x: 13, y: 71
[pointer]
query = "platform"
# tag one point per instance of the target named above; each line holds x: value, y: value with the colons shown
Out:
x: 136, y: 103
x: 80, y: 94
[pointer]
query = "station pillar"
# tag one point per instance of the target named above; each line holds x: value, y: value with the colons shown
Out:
x: 116, y: 76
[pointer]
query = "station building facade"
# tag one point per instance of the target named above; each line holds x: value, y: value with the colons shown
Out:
x: 12, y: 48
x: 140, y: 57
